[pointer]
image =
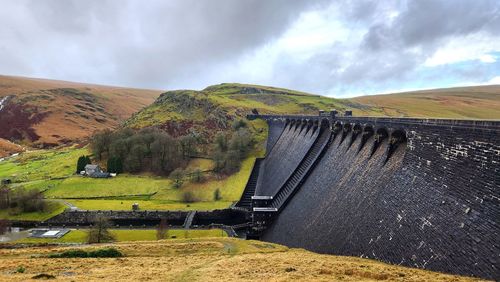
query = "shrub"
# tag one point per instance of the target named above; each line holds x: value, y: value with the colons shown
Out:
x: 20, y: 269
x: 71, y: 254
x: 105, y: 253
x: 189, y: 197
x: 44, y: 276
x: 178, y: 177
x: 100, y: 253
x: 217, y: 195
x: 24, y: 200
x: 197, y: 176
x: 240, y: 123
x: 81, y: 163
x: 114, y: 165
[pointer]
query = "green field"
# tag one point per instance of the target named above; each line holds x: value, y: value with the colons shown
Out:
x: 121, y: 235
x: 123, y: 185
x: 41, y: 164
x: 37, y: 170
x: 53, y: 209
x: 148, y: 205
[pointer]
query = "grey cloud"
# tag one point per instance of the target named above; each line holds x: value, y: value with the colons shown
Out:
x: 149, y: 43
x: 192, y: 43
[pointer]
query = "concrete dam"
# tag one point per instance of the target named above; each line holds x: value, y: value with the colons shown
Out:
x: 416, y: 192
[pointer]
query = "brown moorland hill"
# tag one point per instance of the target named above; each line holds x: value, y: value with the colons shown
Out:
x: 51, y: 112
x: 7, y: 148
x: 473, y: 102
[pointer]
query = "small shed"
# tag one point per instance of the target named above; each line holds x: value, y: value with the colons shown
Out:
x: 135, y: 206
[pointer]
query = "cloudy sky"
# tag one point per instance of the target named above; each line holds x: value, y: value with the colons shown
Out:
x: 336, y: 48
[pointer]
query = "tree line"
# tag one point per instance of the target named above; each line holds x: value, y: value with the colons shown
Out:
x: 128, y: 150
x: 21, y: 200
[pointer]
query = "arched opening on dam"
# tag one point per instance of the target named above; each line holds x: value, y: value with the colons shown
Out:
x: 397, y: 140
x: 380, y: 136
x: 356, y: 130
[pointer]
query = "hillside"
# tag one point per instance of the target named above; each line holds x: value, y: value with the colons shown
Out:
x: 50, y: 112
x: 475, y: 102
x: 41, y: 113
x: 7, y: 148
x: 213, y: 109
x: 207, y: 259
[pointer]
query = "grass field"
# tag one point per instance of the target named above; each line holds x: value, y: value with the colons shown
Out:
x: 53, y: 209
x: 52, y: 171
x: 123, y: 185
x: 205, y: 259
x: 148, y: 205
x: 121, y: 235
x: 41, y: 164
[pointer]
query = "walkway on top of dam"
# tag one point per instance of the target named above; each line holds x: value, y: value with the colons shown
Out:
x: 492, y: 124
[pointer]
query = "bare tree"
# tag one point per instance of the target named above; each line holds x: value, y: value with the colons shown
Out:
x: 99, y: 232
x: 162, y: 230
x: 4, y: 226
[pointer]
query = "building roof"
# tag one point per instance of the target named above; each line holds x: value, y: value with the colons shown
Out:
x: 91, y: 166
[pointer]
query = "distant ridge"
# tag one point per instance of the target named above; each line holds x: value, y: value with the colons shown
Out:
x: 43, y: 112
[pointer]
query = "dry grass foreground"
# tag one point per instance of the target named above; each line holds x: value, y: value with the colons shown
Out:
x: 210, y: 259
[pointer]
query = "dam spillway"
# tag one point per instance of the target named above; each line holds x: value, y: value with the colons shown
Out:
x: 416, y: 192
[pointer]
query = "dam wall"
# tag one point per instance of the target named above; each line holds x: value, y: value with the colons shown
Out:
x: 285, y: 155
x: 423, y: 193
x: 275, y: 129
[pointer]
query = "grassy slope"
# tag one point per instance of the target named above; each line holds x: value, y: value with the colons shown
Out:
x: 478, y: 102
x: 206, y: 259
x: 239, y: 99
x: 70, y: 115
x: 233, y: 100
x: 52, y: 209
x: 37, y: 170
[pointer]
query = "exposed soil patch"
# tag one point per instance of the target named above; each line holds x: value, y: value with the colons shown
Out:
x: 17, y: 121
x: 8, y: 148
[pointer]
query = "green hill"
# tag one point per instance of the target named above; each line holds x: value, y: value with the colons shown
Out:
x: 213, y: 109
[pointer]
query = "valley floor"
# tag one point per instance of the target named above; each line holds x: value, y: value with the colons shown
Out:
x: 208, y: 259
x: 52, y: 172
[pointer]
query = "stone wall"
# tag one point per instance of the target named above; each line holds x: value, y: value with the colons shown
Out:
x: 432, y: 201
x: 142, y: 218
x: 121, y: 218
